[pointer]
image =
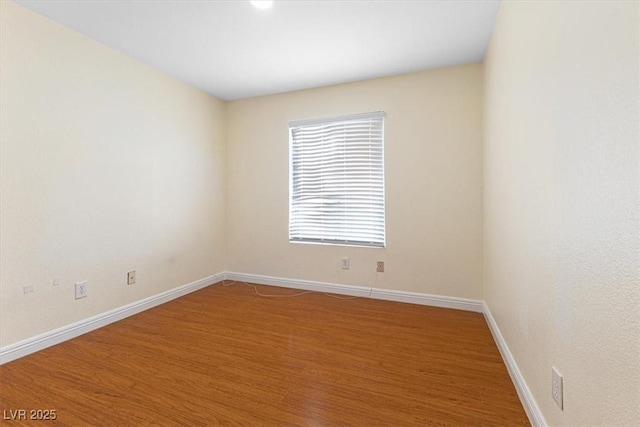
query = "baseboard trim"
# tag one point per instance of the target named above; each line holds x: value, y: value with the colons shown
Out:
x: 526, y: 397
x: 428, y: 299
x: 48, y: 339
x: 362, y: 291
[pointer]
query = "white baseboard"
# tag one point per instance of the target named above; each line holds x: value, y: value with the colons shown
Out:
x: 40, y: 342
x: 362, y: 291
x: 526, y: 398
x: 428, y: 299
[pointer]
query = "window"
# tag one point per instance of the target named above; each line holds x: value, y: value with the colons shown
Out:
x: 337, y: 180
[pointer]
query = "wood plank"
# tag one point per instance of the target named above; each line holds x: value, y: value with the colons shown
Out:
x: 226, y: 356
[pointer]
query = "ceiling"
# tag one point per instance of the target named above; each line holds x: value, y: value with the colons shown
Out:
x: 233, y: 50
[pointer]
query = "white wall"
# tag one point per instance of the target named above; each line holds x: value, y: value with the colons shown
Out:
x: 107, y: 165
x: 433, y: 184
x: 561, y: 203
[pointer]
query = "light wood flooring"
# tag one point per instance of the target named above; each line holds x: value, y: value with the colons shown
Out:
x: 226, y: 356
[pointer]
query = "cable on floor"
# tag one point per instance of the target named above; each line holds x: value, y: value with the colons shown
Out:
x: 255, y: 289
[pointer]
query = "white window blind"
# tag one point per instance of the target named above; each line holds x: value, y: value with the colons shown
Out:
x: 337, y: 180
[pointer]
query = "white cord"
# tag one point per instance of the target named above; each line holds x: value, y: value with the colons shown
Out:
x: 255, y: 289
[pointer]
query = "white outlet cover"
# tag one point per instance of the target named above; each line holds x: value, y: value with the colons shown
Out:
x: 27, y: 289
x: 81, y: 290
x: 57, y: 281
x: 346, y: 263
x: 556, y: 387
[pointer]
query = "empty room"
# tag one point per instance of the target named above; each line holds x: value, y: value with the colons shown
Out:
x: 320, y: 213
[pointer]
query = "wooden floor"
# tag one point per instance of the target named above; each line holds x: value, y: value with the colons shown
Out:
x: 226, y: 356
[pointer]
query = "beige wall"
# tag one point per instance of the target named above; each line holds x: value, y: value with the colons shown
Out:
x: 433, y: 184
x: 561, y: 203
x: 106, y: 166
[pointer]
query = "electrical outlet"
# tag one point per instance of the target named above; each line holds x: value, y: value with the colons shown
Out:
x: 82, y: 290
x: 380, y: 267
x: 27, y: 289
x: 131, y: 277
x: 556, y: 387
x: 57, y: 281
x: 346, y: 263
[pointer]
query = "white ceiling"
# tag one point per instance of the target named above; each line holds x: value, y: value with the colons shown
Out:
x: 233, y: 50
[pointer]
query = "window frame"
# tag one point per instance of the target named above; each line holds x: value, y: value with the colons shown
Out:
x: 328, y: 121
